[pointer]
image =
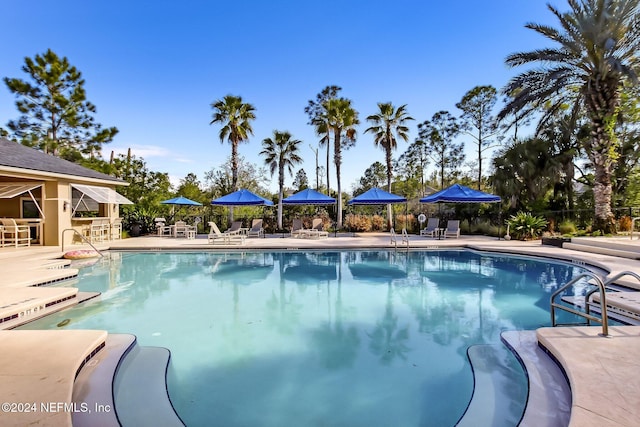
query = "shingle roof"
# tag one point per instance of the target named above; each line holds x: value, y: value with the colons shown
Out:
x: 17, y: 155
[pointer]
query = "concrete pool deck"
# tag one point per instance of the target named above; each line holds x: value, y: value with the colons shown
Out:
x: 603, y: 372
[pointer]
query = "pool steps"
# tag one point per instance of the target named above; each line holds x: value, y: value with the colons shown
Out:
x: 492, y: 394
x: 549, y: 399
x: 622, y: 248
x: 140, y: 389
x: 24, y: 305
x: 93, y: 386
x: 127, y: 385
x: 549, y: 402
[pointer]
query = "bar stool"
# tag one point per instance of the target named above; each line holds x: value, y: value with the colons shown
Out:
x: 116, y: 229
x: 96, y: 233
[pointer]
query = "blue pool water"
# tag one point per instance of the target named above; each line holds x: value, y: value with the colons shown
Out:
x: 341, y: 338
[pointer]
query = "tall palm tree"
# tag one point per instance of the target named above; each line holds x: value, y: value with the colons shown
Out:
x: 597, y: 51
x: 322, y: 129
x: 317, y: 111
x: 342, y: 119
x: 281, y: 152
x: 387, y: 126
x: 235, y: 117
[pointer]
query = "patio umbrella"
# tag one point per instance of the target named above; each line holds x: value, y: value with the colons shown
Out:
x: 460, y: 194
x: 308, y: 197
x: 181, y: 201
x: 376, y: 196
x: 241, y: 198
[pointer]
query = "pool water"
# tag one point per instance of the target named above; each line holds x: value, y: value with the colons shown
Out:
x: 341, y: 338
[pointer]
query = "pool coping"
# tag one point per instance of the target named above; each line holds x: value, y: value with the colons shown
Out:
x: 588, y: 412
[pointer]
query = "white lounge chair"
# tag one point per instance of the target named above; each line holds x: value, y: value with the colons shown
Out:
x: 216, y: 236
x: 453, y: 229
x: 256, y: 228
x: 297, y: 229
x: 431, y: 229
x: 14, y: 234
x: 317, y: 230
x: 236, y: 228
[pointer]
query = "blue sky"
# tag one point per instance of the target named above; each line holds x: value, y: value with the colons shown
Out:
x: 153, y: 68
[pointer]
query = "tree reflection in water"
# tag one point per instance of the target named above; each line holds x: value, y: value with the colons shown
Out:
x: 302, y: 335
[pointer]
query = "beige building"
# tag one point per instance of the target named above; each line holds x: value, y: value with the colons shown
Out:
x: 51, y: 195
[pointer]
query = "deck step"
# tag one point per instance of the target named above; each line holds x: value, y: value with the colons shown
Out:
x: 602, y: 251
x: 610, y: 243
x: 549, y: 402
x: 604, y: 248
x: 140, y: 384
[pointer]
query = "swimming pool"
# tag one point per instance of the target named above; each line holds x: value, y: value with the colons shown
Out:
x: 339, y: 338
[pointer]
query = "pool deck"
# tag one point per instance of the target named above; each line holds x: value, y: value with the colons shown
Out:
x: 603, y: 372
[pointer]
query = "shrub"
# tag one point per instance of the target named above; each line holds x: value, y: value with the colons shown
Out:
x: 405, y: 221
x: 484, y: 228
x: 357, y: 222
x: 624, y: 223
x: 377, y: 223
x: 525, y: 226
x: 567, y: 227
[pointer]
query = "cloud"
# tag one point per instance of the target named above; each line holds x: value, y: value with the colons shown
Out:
x: 151, y: 151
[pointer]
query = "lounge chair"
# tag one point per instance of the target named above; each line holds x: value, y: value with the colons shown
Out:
x: 297, y: 229
x: 453, y: 229
x: 256, y: 228
x: 14, y: 234
x: 317, y: 230
x: 236, y: 228
x: 431, y: 229
x: 216, y: 236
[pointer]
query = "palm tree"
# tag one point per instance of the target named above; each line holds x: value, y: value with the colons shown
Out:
x: 281, y: 152
x: 317, y: 112
x: 598, y: 44
x: 386, y: 126
x: 235, y: 117
x: 322, y: 129
x: 342, y: 119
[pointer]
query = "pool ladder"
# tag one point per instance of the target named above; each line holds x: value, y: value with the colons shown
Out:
x: 601, y: 287
x: 404, y: 237
x: 82, y: 237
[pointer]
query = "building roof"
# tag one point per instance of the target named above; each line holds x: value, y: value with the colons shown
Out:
x: 15, y: 155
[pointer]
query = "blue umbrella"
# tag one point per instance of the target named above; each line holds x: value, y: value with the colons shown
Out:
x: 309, y: 197
x: 183, y: 201
x: 376, y: 196
x: 460, y: 194
x: 241, y: 198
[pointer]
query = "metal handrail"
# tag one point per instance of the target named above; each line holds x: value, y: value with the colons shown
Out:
x: 82, y: 237
x: 405, y: 236
x: 394, y: 237
x: 633, y: 226
x: 587, y: 315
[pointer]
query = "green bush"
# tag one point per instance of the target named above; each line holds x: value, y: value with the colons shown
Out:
x: 525, y: 226
x: 484, y: 228
x: 567, y: 227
